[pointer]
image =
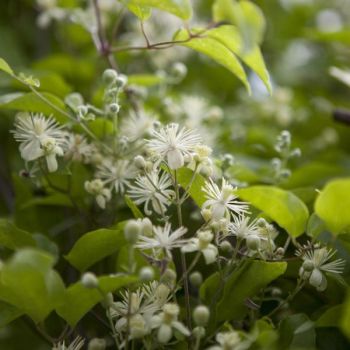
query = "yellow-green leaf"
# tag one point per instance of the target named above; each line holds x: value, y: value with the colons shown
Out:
x: 4, y: 66
x: 332, y: 205
x: 285, y: 208
x: 216, y: 50
x: 179, y: 8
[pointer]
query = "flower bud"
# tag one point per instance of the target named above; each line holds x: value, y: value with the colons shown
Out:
x: 97, y: 344
x: 132, y: 231
x: 121, y: 80
x: 146, y: 274
x: 308, y: 265
x: 206, y: 171
x: 226, y: 246
x: 199, y: 332
x: 109, y: 76
x: 201, y: 315
x: 108, y: 300
x: 179, y: 70
x: 147, y: 227
x: 196, y: 278
x: 253, y: 242
x: 206, y: 213
x: 140, y: 162
x: 114, y: 108
x: 169, y: 277
x: 280, y: 251
x: 89, y: 280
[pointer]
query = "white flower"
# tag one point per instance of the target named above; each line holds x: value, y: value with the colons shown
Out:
x: 163, y: 239
x: 97, y: 189
x: 79, y: 149
x: 167, y: 322
x: 39, y: 137
x: 222, y: 201
x: 134, y: 127
x: 117, y: 173
x: 202, y: 244
x: 227, y: 341
x: 242, y: 228
x: 145, y: 301
x: 317, y: 263
x: 77, y: 344
x: 153, y: 189
x: 172, y: 144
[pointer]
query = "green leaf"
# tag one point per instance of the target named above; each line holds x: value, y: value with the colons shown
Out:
x: 229, y: 36
x: 244, y: 283
x: 179, y: 8
x: 142, y: 12
x: 29, y: 102
x: 297, y: 332
x: 214, y: 49
x: 78, y: 300
x: 184, y: 177
x: 315, y: 226
x: 286, y: 209
x: 345, y: 316
x: 30, y: 284
x: 8, y: 313
x: 332, y: 205
x: 94, y: 246
x: 55, y: 199
x: 12, y: 237
x: 245, y: 15
x: 4, y: 66
x: 330, y: 318
x: 134, y: 209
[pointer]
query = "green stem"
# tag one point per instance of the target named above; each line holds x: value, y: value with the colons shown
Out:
x: 183, y: 259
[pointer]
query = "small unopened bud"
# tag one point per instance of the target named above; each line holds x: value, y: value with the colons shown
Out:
x: 114, y: 108
x: 97, y: 344
x: 169, y: 276
x: 132, y: 231
x: 109, y: 76
x: 295, y: 153
x: 276, y: 292
x: 179, y: 70
x: 308, y: 265
x: 206, y: 171
x: 226, y: 246
x: 121, y: 80
x: 199, y: 332
x: 280, y: 251
x: 201, y: 315
x: 207, y: 214
x: 140, y: 162
x: 146, y: 274
x: 147, y: 227
x: 89, y: 280
x: 108, y: 300
x: 253, y: 242
x: 196, y: 278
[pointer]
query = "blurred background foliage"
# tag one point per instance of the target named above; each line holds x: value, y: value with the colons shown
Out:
x: 303, y: 40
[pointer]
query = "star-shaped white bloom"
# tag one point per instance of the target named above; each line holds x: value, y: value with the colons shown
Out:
x: 135, y: 127
x: 152, y: 188
x: 242, y: 228
x: 202, y: 244
x: 167, y: 322
x: 116, y: 173
x: 317, y: 262
x: 39, y: 137
x: 78, y: 148
x: 172, y: 144
x: 222, y: 201
x: 163, y: 240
